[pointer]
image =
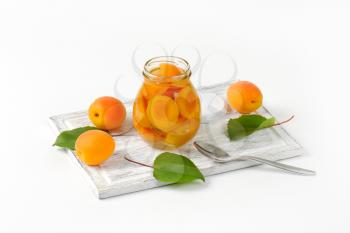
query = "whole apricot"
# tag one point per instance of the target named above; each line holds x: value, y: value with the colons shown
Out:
x: 93, y: 147
x: 244, y: 97
x: 107, y: 113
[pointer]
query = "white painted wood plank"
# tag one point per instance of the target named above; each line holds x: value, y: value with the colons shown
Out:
x: 117, y: 176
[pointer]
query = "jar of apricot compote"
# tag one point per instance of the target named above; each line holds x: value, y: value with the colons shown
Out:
x: 166, y: 111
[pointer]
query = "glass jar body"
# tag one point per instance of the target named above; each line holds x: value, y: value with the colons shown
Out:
x: 166, y: 111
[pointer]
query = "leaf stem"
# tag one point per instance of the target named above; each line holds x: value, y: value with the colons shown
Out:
x: 282, y: 122
x: 142, y: 164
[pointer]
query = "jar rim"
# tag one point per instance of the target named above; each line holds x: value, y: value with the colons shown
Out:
x: 147, y: 71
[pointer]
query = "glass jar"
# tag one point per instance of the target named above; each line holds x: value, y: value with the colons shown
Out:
x: 166, y: 111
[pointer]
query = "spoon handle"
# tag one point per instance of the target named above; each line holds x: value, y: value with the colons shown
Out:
x: 296, y: 170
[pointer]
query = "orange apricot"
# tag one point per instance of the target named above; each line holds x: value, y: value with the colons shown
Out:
x: 189, y: 94
x: 162, y: 112
x: 181, y: 83
x: 139, y: 112
x: 244, y: 97
x: 171, y: 91
x: 151, y: 89
x: 182, y: 133
x: 148, y: 134
x: 167, y: 70
x: 188, y: 102
x: 107, y: 113
x: 93, y: 147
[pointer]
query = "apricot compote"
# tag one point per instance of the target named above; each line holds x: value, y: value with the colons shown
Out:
x: 166, y: 111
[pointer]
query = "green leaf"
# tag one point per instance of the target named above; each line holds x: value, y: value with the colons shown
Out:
x: 235, y: 129
x: 175, y: 168
x: 267, y: 123
x: 67, y: 139
x: 246, y: 125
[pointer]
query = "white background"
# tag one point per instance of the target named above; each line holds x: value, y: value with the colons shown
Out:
x: 57, y: 56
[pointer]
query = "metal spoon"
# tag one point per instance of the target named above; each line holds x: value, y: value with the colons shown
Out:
x: 220, y: 156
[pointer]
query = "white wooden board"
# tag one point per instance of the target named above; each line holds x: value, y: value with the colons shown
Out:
x: 117, y: 176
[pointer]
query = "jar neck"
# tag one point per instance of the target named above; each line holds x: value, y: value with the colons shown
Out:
x: 153, y: 64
